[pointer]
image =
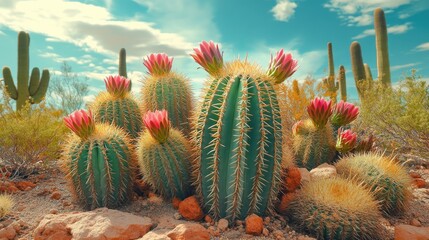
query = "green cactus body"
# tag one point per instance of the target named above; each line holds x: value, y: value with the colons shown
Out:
x: 342, y: 83
x: 123, y: 112
x: 100, y: 168
x: 336, y: 208
x: 313, y: 146
x: 381, y: 43
x: 329, y: 82
x: 122, y: 67
x: 170, y: 92
x: 35, y: 91
x: 368, y: 75
x: 358, y: 68
x: 387, y: 179
x: 238, y: 136
x: 166, y: 166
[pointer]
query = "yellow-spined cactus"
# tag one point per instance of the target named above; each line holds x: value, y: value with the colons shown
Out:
x: 6, y: 204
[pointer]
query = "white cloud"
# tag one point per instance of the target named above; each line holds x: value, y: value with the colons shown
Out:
x: 90, y: 27
x: 408, y: 65
x: 360, y: 12
x: 85, y: 59
x: 284, y: 10
x: 396, y: 29
x: 423, y: 47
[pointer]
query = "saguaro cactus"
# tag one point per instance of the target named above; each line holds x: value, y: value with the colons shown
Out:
x: 358, y: 68
x: 342, y: 83
x: 36, y: 91
x: 329, y: 82
x: 381, y: 42
x: 122, y: 69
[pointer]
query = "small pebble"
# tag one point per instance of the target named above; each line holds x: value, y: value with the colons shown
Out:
x: 177, y: 216
x: 222, y: 224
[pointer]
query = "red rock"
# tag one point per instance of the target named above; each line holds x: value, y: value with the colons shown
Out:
x: 415, y: 175
x: 8, y: 232
x: 254, y: 225
x: 190, y: 209
x: 419, y: 182
x: 208, y: 219
x: 408, y: 232
x: 176, y: 201
x: 8, y: 187
x: 292, y: 179
x: 189, y: 231
x: 285, y: 201
x: 99, y: 224
x: 25, y: 185
x: 56, y: 195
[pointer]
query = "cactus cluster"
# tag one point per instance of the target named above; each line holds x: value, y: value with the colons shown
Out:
x: 99, y: 162
x: 25, y: 91
x: 238, y: 134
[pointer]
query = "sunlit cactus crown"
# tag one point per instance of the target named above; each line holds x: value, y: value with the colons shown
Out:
x: 344, y: 113
x: 81, y: 122
x: 158, y: 64
x: 346, y: 140
x: 211, y: 59
x: 319, y: 111
x: 117, y: 86
x: 157, y: 124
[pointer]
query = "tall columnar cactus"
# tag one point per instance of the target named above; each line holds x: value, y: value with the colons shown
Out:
x: 358, y: 69
x: 368, y: 74
x: 35, y: 91
x: 330, y: 85
x: 342, y: 83
x: 118, y: 106
x: 164, y: 156
x: 313, y: 139
x: 381, y: 43
x: 164, y: 89
x: 98, y: 160
x: 388, y: 179
x: 336, y: 208
x: 238, y: 134
x: 122, y: 66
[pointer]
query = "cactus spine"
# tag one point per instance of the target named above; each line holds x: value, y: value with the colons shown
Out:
x: 381, y: 41
x: 165, y: 163
x: 358, y: 68
x: 36, y: 91
x: 120, y: 108
x: 342, y: 83
x: 99, y: 164
x: 238, y: 135
x: 163, y: 89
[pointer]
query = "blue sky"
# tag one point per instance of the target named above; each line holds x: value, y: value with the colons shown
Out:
x: 89, y: 33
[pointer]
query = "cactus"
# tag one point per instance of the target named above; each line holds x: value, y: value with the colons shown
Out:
x: 329, y: 83
x: 386, y: 178
x: 336, y: 208
x: 346, y: 141
x: 164, y: 157
x: 118, y: 106
x: 381, y: 43
x: 342, y: 83
x: 122, y: 69
x: 368, y: 74
x: 343, y: 113
x: 6, y: 205
x: 164, y: 89
x: 99, y: 162
x: 238, y: 134
x: 35, y: 91
x: 358, y: 69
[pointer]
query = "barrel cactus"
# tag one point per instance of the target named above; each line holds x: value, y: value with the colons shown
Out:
x: 164, y: 157
x: 386, y: 178
x: 98, y: 160
x: 238, y: 134
x: 164, y: 89
x: 118, y: 106
x: 336, y: 208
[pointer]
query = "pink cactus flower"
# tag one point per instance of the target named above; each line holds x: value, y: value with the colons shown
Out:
x: 282, y: 66
x: 319, y: 111
x: 298, y: 128
x: 344, y: 113
x: 81, y: 122
x: 209, y: 57
x: 157, y: 124
x: 118, y: 86
x: 158, y: 64
x: 346, y: 140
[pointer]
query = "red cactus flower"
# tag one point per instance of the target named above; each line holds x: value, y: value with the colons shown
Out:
x: 209, y: 57
x: 118, y: 86
x: 346, y: 140
x: 158, y: 64
x: 158, y: 124
x: 282, y: 66
x: 344, y: 113
x: 81, y: 122
x: 319, y: 111
x: 298, y: 128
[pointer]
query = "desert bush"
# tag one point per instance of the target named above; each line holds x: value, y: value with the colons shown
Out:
x: 399, y: 116
x: 29, y: 138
